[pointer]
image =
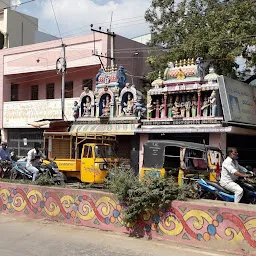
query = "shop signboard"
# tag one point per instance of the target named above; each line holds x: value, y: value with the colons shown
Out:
x: 238, y: 101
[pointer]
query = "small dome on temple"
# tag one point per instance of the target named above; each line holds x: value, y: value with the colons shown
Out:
x: 212, y: 76
x: 158, y: 82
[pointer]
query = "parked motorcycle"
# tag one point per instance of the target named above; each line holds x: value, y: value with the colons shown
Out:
x: 5, y: 167
x: 213, y: 190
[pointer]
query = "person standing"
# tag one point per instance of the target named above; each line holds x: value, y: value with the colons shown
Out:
x: 230, y: 172
x: 4, y: 152
x: 33, y: 159
x: 4, y: 156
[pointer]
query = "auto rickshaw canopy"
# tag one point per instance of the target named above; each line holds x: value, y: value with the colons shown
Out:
x: 154, y: 150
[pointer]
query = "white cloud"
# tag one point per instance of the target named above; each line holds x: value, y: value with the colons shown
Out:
x: 75, y: 17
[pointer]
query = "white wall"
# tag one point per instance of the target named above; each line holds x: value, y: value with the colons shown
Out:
x: 5, y: 4
x: 144, y: 39
x: 20, y: 28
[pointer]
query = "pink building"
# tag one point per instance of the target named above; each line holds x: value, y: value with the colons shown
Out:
x: 30, y: 88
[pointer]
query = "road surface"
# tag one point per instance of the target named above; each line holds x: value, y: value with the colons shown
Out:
x: 26, y: 237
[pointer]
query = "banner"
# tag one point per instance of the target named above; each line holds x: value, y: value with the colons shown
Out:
x: 19, y: 114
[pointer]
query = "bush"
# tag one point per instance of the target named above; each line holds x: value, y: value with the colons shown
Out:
x: 142, y: 196
x: 44, y: 180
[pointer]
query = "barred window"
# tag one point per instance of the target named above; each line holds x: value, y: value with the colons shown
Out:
x: 50, y: 91
x: 14, y: 92
x: 34, y: 92
x: 69, y: 89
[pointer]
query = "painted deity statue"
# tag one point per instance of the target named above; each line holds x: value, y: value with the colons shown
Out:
x: 162, y: 110
x: 182, y: 106
x: 205, y: 106
x: 140, y: 108
x: 194, y: 106
x: 170, y: 106
x: 158, y: 105
x: 128, y: 106
x: 75, y: 110
x: 151, y: 107
x: 87, y: 106
x: 106, y: 104
x: 188, y: 105
x: 176, y: 107
x: 213, y: 104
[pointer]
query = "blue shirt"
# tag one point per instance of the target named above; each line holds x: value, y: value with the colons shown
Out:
x: 4, y: 154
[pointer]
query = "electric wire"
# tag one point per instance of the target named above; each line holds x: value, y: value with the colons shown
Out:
x: 56, y: 21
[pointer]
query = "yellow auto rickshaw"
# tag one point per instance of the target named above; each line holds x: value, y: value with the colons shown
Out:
x: 182, y: 160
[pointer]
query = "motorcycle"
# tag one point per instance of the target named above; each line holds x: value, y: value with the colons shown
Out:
x: 5, y: 167
x: 53, y: 171
x: 49, y: 168
x: 212, y: 190
x: 19, y: 171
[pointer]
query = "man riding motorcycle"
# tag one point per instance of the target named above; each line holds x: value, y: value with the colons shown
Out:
x: 33, y: 158
x: 230, y: 172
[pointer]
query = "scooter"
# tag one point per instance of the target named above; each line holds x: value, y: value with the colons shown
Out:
x: 50, y: 168
x: 212, y: 190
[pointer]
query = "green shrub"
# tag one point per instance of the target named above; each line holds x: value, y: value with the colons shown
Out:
x: 44, y: 180
x: 142, y: 196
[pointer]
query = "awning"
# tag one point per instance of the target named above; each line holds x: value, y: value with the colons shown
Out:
x: 40, y: 124
x: 108, y: 129
x: 183, y: 129
x: 195, y: 129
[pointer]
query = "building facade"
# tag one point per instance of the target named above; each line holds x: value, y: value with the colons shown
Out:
x: 189, y: 105
x: 18, y: 29
x: 30, y: 88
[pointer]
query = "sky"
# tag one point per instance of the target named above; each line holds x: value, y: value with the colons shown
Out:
x: 75, y: 16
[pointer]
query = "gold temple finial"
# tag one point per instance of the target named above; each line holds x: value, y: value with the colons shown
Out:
x: 113, y: 68
x: 180, y: 64
x: 189, y: 61
x: 176, y: 64
x: 159, y: 74
x: 116, y: 67
x: 184, y: 62
x: 192, y: 61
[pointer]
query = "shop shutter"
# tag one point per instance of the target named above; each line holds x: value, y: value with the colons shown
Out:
x: 61, y: 148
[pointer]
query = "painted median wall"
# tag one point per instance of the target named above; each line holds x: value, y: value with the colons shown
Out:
x: 210, y: 224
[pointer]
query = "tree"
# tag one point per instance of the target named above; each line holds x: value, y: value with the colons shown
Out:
x: 217, y: 30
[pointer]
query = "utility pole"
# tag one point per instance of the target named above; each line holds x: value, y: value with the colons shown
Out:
x: 112, y: 42
x: 112, y: 35
x: 61, y: 66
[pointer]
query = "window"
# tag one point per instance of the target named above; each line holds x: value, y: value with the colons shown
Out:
x: 104, y: 151
x: 50, y: 91
x: 87, y: 83
x: 196, y: 159
x: 14, y: 92
x: 34, y: 92
x: 172, y: 157
x: 69, y: 89
x: 87, y: 152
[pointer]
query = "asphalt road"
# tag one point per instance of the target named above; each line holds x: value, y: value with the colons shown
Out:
x: 26, y: 237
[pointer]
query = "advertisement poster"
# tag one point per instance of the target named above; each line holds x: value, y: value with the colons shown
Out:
x: 238, y: 101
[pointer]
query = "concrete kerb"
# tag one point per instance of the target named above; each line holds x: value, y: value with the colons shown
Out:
x: 209, y: 224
